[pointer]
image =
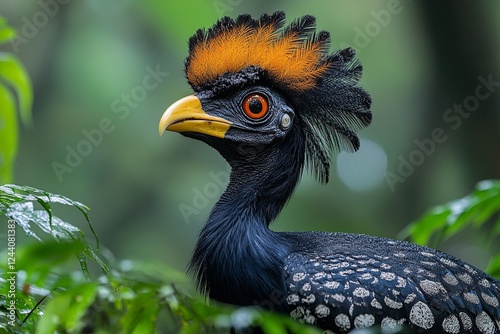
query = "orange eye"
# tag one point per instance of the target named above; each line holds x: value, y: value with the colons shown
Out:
x: 255, y: 105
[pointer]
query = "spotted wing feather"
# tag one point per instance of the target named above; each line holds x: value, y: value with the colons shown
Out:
x: 362, y: 281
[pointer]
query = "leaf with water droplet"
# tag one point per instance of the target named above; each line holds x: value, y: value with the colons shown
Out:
x: 446, y: 220
x: 17, y: 203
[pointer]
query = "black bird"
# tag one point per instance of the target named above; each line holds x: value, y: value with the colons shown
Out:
x: 272, y: 100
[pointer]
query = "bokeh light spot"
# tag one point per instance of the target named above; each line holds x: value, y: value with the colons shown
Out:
x: 364, y: 169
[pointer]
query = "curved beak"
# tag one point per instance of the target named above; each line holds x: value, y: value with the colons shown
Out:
x: 187, y: 115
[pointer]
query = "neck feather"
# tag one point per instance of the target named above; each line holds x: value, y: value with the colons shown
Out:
x: 237, y: 259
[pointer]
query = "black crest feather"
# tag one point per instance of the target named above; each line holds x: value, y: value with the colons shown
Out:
x: 332, y: 112
x: 329, y: 103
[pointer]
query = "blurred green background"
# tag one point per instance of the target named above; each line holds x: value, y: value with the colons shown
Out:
x: 97, y: 106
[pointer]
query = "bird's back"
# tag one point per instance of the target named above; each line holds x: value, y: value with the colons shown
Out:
x: 344, y: 281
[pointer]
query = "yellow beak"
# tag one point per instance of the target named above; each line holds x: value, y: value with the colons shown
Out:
x: 187, y: 115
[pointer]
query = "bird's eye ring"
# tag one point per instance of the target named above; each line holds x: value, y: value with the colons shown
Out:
x: 255, y: 105
x: 286, y: 121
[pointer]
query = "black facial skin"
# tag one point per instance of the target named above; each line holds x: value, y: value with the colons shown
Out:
x: 245, y: 129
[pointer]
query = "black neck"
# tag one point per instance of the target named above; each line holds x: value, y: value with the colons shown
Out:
x: 237, y: 258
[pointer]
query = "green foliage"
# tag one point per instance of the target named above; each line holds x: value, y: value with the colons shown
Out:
x: 131, y: 297
x: 39, y: 269
x: 17, y: 203
x: 52, y: 295
x: 482, y: 206
x: 13, y: 78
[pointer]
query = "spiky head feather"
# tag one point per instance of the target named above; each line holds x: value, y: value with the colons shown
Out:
x: 322, y: 87
x: 292, y: 56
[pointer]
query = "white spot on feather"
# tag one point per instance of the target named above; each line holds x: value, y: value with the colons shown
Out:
x: 450, y: 279
x: 464, y: 277
x: 310, y: 319
x: 471, y: 297
x: 392, y: 303
x: 421, y: 315
x: 309, y: 299
x: 298, y: 313
x: 466, y: 321
x: 410, y: 298
x: 484, y: 282
x: 298, y: 277
x: 432, y: 288
x: 322, y: 311
x: 376, y: 304
x: 318, y: 276
x: 343, y: 322
x: 361, y: 292
x: 364, y: 321
x: 291, y: 299
x: 338, y: 297
x: 451, y: 324
x: 485, y: 324
x: 365, y: 276
x: 387, y: 276
x: 390, y: 325
x: 448, y: 262
x: 401, y: 282
x: 332, y: 284
x: 490, y: 300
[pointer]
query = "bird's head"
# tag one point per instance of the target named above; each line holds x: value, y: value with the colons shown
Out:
x: 259, y: 85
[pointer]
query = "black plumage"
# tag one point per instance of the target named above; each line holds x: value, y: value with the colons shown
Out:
x: 271, y: 101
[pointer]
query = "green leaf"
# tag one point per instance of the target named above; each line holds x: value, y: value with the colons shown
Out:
x: 15, y: 75
x: 17, y: 203
x: 8, y: 134
x: 24, y: 305
x: 422, y: 230
x: 191, y: 328
x: 65, y: 311
x: 493, y: 267
x: 490, y: 206
x: 6, y: 32
x: 39, y: 260
x: 24, y: 214
x: 451, y: 218
x: 141, y: 314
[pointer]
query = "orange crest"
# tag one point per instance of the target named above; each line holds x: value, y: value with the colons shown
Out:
x: 294, y: 56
